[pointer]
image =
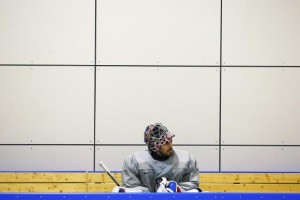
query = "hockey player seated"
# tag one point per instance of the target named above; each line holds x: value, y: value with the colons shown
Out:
x: 161, y: 168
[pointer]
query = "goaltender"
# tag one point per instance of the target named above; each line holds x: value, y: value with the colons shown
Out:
x: 161, y: 168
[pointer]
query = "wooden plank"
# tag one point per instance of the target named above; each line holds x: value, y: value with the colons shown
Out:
x: 250, y: 178
x: 251, y: 187
x: 108, y: 187
x: 219, y: 187
x: 43, y: 177
x: 16, y: 177
x: 103, y: 177
x: 219, y: 177
x: 100, y: 187
x: 43, y: 187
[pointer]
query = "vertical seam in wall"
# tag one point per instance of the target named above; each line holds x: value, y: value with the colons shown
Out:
x: 220, y: 106
x: 86, y: 182
x: 95, y: 81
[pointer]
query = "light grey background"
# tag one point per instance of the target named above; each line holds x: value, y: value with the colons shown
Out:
x: 46, y: 158
x: 47, y: 32
x: 261, y: 33
x: 81, y: 79
x: 46, y: 105
x: 260, y: 159
x: 172, y: 32
x: 157, y: 94
x: 260, y: 106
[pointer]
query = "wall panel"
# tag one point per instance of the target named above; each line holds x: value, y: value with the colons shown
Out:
x: 169, y: 32
x: 46, y: 158
x: 47, y: 32
x: 260, y: 159
x: 46, y: 105
x: 259, y: 32
x: 156, y: 61
x: 186, y: 100
x: 260, y: 106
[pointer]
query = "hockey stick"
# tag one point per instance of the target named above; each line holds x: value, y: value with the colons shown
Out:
x: 101, y: 164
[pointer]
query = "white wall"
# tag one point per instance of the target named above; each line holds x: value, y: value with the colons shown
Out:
x: 81, y: 79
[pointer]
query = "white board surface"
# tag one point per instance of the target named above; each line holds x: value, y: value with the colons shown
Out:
x: 260, y: 159
x: 261, y: 33
x: 260, y: 106
x: 47, y: 32
x: 169, y: 32
x: 46, y: 105
x: 185, y: 100
x: 46, y: 158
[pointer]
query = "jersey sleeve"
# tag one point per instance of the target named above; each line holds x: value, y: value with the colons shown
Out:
x: 190, y: 179
x: 130, y: 175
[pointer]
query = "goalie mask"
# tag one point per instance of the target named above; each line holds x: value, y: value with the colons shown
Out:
x: 156, y: 135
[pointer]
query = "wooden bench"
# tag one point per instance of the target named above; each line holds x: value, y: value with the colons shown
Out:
x: 101, y: 182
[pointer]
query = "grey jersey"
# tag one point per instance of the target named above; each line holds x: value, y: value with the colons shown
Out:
x: 140, y: 170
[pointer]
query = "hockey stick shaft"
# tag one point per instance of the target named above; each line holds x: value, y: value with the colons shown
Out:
x: 101, y: 164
